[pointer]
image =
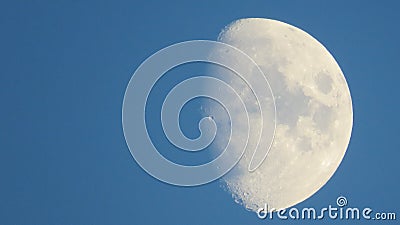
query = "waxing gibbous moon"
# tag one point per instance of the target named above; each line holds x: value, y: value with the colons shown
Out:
x: 314, y: 114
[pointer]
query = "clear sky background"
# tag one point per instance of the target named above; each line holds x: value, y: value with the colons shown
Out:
x: 64, y: 67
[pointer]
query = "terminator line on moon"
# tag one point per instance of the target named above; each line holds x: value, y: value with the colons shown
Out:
x: 313, y: 110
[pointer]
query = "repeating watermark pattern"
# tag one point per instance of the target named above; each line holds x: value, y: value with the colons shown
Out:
x: 151, y: 70
x: 340, y: 212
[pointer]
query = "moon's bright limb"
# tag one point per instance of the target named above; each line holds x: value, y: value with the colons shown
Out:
x: 314, y: 114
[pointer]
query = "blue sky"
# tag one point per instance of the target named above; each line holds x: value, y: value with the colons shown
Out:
x: 64, y: 69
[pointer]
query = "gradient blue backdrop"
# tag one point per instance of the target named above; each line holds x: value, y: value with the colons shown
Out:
x: 64, y: 66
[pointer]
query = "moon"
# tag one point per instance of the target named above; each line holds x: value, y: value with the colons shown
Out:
x: 314, y: 115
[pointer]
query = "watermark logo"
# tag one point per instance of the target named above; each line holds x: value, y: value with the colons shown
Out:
x: 151, y: 70
x: 339, y: 211
x: 341, y: 201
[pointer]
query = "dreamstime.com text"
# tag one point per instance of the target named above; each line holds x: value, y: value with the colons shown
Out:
x: 341, y: 212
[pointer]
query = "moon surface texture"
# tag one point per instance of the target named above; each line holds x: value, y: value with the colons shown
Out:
x: 314, y: 115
